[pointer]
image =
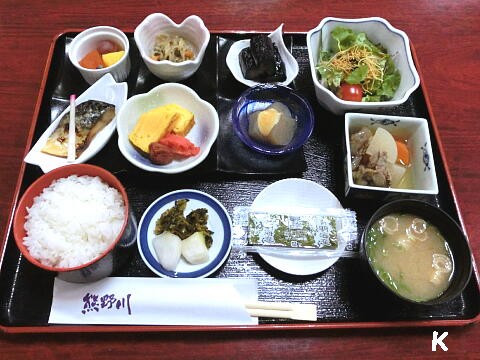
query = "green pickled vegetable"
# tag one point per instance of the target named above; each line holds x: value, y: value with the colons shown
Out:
x: 173, y: 220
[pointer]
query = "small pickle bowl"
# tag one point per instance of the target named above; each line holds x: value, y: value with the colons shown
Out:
x: 261, y: 97
x: 103, y: 265
x: 378, y: 31
x: 446, y: 226
x: 89, y: 40
x: 191, y: 29
x: 419, y: 176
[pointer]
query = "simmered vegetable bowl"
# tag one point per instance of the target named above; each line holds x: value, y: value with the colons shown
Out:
x: 355, y: 69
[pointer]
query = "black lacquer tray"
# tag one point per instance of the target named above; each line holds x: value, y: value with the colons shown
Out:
x: 346, y: 294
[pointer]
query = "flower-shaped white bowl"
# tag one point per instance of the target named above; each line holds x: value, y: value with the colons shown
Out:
x: 88, y: 40
x: 203, y: 134
x: 192, y: 29
x: 105, y: 89
x: 291, y: 65
x: 378, y: 30
x: 415, y: 131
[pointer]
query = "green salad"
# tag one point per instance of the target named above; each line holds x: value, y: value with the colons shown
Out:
x: 355, y: 69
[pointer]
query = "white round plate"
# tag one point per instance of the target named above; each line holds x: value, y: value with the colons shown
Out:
x: 218, y: 221
x: 285, y: 196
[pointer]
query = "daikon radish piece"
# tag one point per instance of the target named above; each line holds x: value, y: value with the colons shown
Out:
x: 282, y: 133
x: 397, y: 172
x: 168, y: 248
x: 383, y: 141
x: 281, y: 108
x: 194, y: 249
x: 273, y: 126
x: 253, y: 129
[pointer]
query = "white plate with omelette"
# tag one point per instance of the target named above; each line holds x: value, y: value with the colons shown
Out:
x: 202, y: 129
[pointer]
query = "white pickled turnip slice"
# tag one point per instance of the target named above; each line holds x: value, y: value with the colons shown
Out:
x: 168, y: 248
x: 194, y: 249
x: 383, y: 141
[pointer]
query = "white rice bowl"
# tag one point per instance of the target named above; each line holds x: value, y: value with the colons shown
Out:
x: 73, y: 221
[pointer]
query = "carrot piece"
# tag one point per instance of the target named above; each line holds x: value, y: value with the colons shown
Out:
x: 93, y: 60
x: 403, y: 156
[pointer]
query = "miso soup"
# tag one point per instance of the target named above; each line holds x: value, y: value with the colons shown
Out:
x: 410, y: 256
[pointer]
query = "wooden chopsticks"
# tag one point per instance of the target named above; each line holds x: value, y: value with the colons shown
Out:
x: 282, y: 310
x: 71, y: 131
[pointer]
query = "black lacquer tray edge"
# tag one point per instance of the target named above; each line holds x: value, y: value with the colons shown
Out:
x: 28, y: 145
x: 261, y: 327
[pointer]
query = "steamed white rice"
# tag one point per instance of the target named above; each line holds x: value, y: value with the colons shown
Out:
x: 73, y: 221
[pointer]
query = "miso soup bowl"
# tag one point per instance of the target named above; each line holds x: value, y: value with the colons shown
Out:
x: 450, y: 230
x: 104, y: 264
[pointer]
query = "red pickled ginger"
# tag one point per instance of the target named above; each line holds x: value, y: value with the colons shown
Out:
x: 171, y: 147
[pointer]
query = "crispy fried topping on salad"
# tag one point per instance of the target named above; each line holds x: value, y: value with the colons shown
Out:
x: 354, y: 59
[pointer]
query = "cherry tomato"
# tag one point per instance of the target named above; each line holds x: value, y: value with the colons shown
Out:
x: 350, y: 92
x: 106, y: 46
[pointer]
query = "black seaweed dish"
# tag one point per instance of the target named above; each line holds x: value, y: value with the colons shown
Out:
x: 453, y: 234
x: 262, y: 61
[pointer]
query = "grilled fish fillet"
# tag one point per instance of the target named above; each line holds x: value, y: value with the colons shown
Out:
x: 90, y: 117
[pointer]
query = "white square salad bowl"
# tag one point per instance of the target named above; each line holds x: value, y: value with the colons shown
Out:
x: 378, y: 31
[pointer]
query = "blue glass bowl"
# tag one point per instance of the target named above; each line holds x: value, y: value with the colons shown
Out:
x: 260, y: 97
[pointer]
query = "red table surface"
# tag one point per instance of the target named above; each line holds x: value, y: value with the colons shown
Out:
x: 446, y: 37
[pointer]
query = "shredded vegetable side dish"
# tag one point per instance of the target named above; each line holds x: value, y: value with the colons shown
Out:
x: 355, y: 69
x: 174, y: 48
